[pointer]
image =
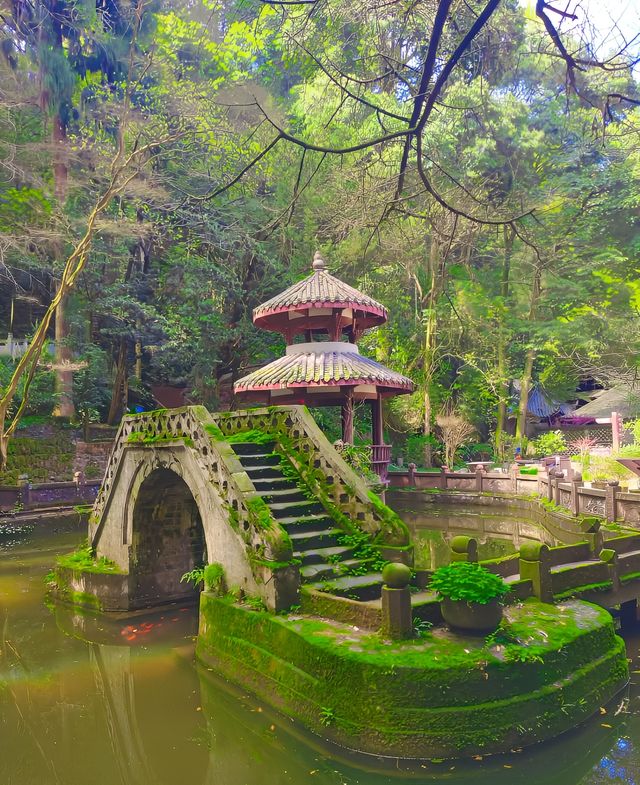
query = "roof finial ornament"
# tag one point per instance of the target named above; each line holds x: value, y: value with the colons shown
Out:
x: 318, y: 261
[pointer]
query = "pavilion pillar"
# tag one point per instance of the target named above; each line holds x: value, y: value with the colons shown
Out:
x: 376, y: 420
x: 347, y: 418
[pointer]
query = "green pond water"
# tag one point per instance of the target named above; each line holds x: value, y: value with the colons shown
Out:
x: 86, y: 702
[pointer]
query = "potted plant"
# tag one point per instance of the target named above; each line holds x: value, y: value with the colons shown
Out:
x: 470, y: 596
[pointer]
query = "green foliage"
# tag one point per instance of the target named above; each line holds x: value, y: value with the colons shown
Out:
x: 550, y: 443
x: 84, y: 560
x: 606, y: 467
x: 514, y: 653
x: 467, y: 581
x: 415, y: 447
x: 501, y: 636
x: 259, y: 512
x: 195, y: 576
x: 327, y: 716
x: 364, y: 550
x: 358, y: 456
x: 421, y: 627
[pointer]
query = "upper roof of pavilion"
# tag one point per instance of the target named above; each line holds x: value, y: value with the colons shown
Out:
x: 320, y: 290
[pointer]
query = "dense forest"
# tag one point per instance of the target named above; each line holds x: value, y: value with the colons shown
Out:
x: 167, y: 165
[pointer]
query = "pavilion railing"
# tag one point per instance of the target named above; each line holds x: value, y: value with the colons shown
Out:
x: 380, y: 460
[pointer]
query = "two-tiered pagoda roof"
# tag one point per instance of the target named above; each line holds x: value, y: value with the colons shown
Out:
x: 321, y: 372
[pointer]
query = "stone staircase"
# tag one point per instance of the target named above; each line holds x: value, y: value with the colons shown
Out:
x: 327, y: 564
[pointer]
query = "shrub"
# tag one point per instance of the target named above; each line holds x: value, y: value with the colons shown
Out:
x: 633, y: 427
x: 415, y: 448
x: 467, y: 581
x: 482, y: 451
x: 550, y: 443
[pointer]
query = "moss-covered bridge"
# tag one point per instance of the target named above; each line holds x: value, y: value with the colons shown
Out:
x: 261, y: 493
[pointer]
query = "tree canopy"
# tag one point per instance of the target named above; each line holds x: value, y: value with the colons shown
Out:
x: 473, y: 165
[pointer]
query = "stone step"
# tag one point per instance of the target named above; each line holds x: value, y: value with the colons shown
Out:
x: 251, y: 448
x: 305, y: 523
x: 284, y: 495
x: 260, y: 460
x: 275, y: 484
x: 320, y: 555
x: 355, y: 587
x: 264, y: 472
x: 328, y: 571
x: 315, y: 538
x: 299, y: 509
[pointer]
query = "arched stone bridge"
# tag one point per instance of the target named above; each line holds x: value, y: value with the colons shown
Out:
x: 262, y: 493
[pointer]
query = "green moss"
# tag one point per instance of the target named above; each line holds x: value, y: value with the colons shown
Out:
x: 213, y: 430
x: 436, y: 696
x: 252, y: 436
x: 578, y: 590
x: 259, y: 512
x: 84, y: 599
x: 275, y: 565
x: 140, y: 437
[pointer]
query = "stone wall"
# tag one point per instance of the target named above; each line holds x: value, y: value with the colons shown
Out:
x: 91, y: 458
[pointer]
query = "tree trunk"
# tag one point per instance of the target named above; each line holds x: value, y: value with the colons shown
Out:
x: 64, y: 406
x: 527, y: 374
x: 60, y: 172
x: 430, y: 322
x: 503, y: 377
x: 120, y: 391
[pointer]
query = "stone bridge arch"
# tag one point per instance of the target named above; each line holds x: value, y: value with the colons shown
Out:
x: 164, y: 526
x: 163, y: 517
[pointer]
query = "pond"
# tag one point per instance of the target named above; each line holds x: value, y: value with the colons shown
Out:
x: 87, y: 702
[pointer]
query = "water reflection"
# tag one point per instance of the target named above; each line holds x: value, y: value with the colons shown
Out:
x: 122, y: 703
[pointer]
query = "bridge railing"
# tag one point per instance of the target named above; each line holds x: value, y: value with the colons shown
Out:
x: 560, y: 572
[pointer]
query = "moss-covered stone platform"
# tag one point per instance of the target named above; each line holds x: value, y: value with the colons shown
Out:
x: 439, y: 695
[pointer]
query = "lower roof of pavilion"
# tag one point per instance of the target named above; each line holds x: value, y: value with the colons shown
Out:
x: 321, y: 378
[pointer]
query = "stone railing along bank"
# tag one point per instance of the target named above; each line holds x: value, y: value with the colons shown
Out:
x: 610, y: 502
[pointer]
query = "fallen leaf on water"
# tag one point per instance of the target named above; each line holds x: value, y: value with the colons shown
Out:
x: 604, y: 725
x: 602, y: 711
x: 507, y: 766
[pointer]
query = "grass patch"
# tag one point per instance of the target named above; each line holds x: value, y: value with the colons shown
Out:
x: 84, y: 560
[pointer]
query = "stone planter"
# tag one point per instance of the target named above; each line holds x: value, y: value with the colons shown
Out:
x: 471, y: 617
